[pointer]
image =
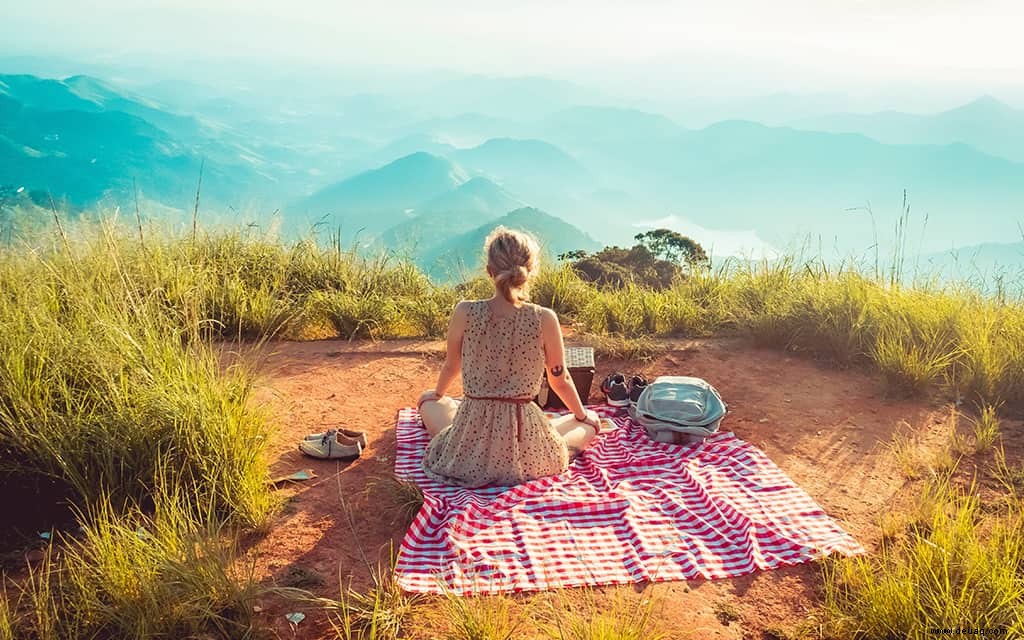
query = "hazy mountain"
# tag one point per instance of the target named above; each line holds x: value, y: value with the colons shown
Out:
x: 464, y: 208
x: 540, y: 171
x: 83, y: 93
x: 466, y: 129
x: 84, y: 156
x: 82, y: 139
x: 462, y: 254
x: 607, y: 140
x: 378, y: 199
x: 986, y: 124
x: 479, y: 196
x: 984, y: 264
x: 587, y: 126
x: 506, y: 97
x: 399, y: 148
x: 782, y: 182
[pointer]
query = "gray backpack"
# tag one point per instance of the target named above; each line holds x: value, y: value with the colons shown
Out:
x: 679, y: 409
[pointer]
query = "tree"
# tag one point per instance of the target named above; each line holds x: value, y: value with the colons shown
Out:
x: 572, y: 256
x: 616, y: 267
x: 673, y: 246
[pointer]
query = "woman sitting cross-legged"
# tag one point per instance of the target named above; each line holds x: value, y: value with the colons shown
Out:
x: 496, y: 434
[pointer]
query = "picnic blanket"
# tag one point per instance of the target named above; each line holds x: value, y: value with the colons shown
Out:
x: 628, y: 510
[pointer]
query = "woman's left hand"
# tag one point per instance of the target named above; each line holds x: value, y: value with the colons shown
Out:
x: 593, y: 420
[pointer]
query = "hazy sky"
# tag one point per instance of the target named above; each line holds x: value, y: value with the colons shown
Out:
x: 744, y: 46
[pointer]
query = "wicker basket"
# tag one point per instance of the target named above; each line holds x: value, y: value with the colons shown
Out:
x: 580, y: 363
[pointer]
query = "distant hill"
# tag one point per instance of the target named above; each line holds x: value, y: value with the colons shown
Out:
x: 82, y: 141
x: 780, y: 182
x: 410, y: 144
x: 985, y: 124
x: 467, y: 129
x: 541, y: 172
x: 457, y: 211
x: 83, y: 156
x: 84, y: 93
x: 586, y: 125
x: 984, y: 264
x: 378, y: 199
x: 462, y: 253
x: 506, y: 97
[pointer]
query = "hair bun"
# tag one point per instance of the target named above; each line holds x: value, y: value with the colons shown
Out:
x: 518, y: 275
x: 511, y: 261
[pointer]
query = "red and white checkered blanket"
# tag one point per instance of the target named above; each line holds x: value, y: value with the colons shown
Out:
x: 628, y: 510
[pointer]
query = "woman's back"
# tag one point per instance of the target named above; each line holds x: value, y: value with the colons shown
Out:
x: 502, y: 356
x: 498, y: 436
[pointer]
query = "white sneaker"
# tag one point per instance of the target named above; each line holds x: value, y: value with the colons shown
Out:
x: 358, y: 436
x: 332, y: 446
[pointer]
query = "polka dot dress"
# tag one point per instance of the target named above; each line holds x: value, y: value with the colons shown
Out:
x: 491, y: 441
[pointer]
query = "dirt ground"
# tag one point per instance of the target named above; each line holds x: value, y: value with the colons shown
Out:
x: 827, y: 428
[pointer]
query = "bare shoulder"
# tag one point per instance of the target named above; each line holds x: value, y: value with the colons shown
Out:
x: 460, y: 314
x: 547, y: 316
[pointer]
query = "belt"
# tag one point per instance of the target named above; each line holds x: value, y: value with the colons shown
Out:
x: 519, y: 402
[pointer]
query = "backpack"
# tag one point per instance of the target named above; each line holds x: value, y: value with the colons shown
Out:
x: 679, y: 409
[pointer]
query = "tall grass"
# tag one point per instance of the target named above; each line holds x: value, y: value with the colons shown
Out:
x: 97, y: 386
x: 948, y: 572
x: 167, y: 574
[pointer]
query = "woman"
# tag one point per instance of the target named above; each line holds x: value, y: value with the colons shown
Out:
x: 502, y: 345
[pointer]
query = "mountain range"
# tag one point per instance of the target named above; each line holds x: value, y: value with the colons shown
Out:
x: 985, y: 124
x: 402, y: 170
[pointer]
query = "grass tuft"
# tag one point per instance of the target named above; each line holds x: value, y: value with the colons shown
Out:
x: 580, y: 616
x: 381, y: 613
x: 481, y: 618
x: 405, y: 497
x: 985, y: 428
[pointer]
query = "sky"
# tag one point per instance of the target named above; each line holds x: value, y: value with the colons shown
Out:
x: 731, y: 47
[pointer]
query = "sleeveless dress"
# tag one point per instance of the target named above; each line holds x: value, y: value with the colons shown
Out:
x: 498, y: 436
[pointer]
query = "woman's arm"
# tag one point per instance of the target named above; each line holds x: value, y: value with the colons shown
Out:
x: 558, y: 375
x: 453, y: 359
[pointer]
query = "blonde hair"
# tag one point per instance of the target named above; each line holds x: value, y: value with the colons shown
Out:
x: 512, y: 259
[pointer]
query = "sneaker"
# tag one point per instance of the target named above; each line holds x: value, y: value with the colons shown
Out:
x: 332, y: 446
x: 614, y: 389
x: 637, y: 384
x: 358, y: 436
